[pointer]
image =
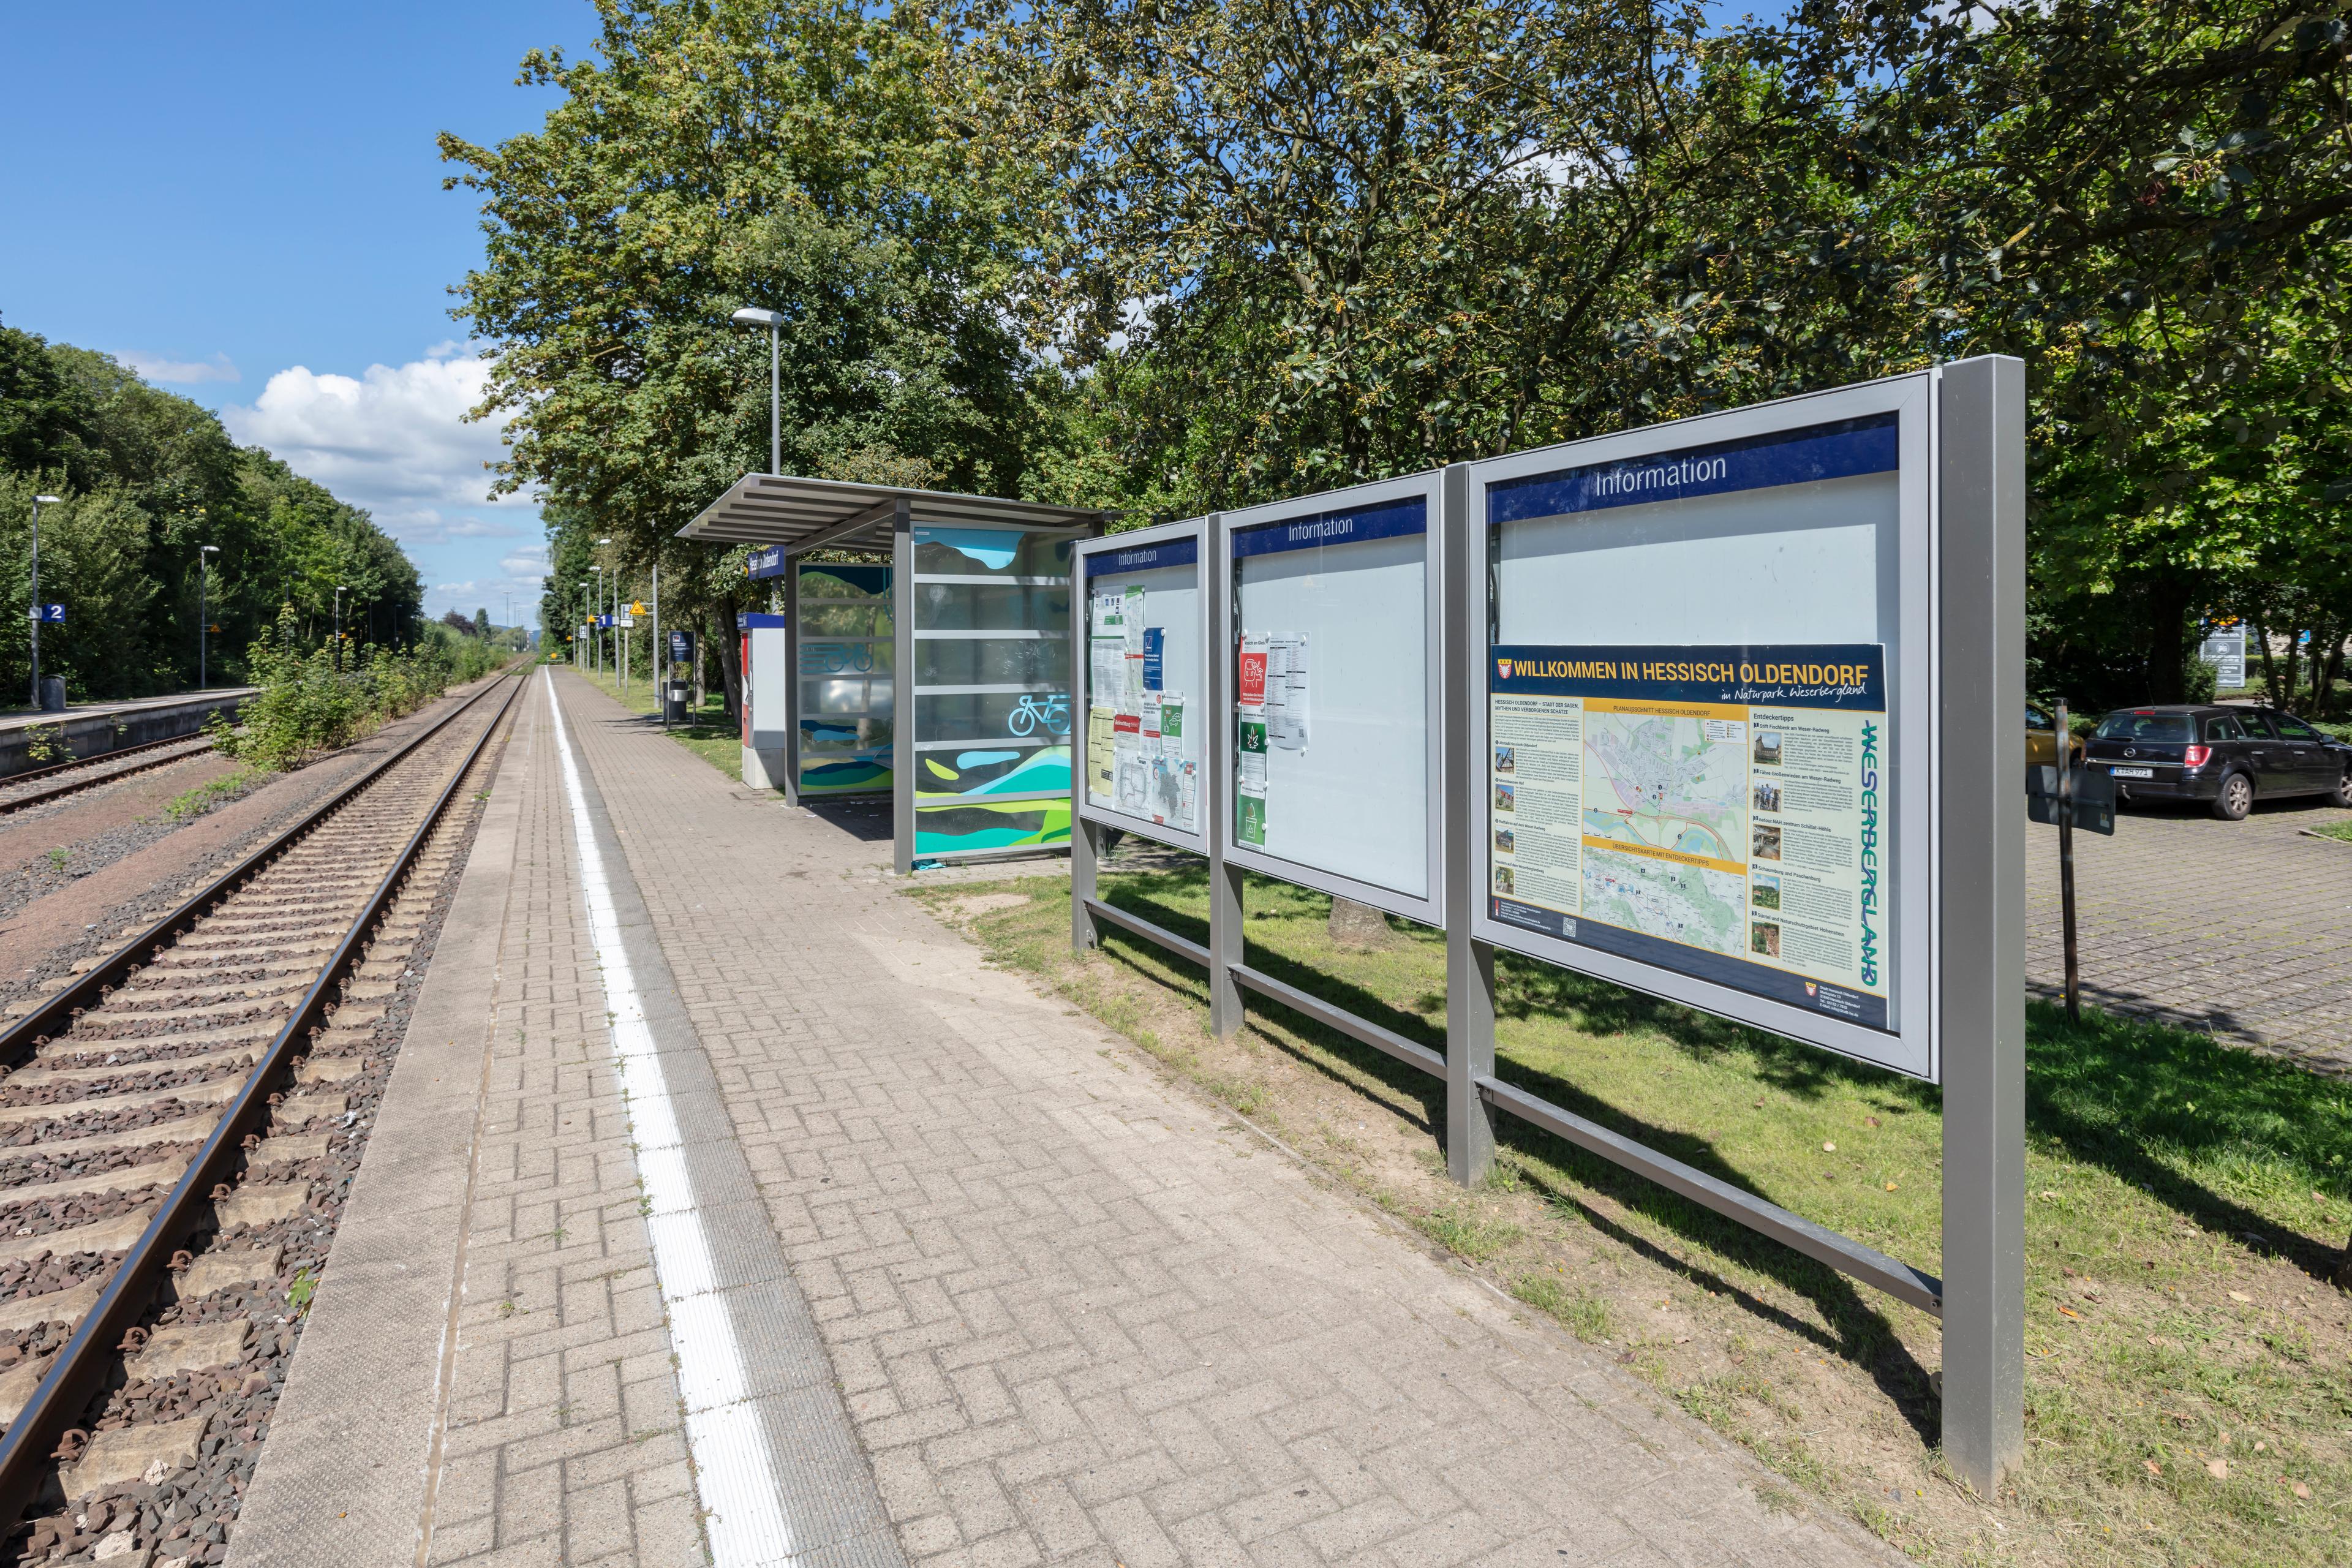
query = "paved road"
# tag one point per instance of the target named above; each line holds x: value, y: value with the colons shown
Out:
x: 2243, y: 929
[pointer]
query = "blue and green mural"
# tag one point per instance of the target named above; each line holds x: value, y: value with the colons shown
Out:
x: 979, y: 771
x: 973, y: 827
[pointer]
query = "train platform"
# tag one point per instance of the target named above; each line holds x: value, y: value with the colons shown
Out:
x: 91, y: 728
x: 725, y: 1206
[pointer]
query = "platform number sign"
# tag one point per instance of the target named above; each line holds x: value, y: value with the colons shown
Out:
x: 49, y: 615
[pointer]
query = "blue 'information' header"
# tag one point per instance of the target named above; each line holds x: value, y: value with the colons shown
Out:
x: 1389, y: 520
x: 1800, y: 675
x: 1866, y: 445
x: 1144, y: 557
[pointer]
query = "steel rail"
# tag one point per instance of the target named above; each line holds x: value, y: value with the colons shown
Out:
x: 82, y: 1365
x: 68, y: 786
x: 89, y: 989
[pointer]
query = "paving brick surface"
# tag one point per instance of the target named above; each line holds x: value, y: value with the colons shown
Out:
x: 560, y: 1441
x: 1075, y: 1317
x: 2236, y: 928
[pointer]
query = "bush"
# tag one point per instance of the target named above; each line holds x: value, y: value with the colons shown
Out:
x: 305, y: 706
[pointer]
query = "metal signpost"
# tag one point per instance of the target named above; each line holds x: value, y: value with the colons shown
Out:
x: 1723, y: 711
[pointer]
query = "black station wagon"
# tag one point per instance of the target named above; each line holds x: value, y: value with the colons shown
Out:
x: 2227, y: 757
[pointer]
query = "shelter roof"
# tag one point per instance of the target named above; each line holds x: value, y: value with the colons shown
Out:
x: 807, y: 514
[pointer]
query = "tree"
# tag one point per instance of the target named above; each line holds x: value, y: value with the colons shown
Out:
x: 149, y: 479
x: 718, y: 154
x: 1302, y: 246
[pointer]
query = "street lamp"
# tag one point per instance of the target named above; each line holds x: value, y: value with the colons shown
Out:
x: 38, y: 502
x: 579, y: 655
x: 773, y: 321
x: 203, y: 606
x: 596, y: 665
x: 340, y: 592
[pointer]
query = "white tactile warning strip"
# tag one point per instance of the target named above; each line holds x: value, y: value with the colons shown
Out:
x: 751, y: 1372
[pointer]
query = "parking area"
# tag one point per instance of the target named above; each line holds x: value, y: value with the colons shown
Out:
x: 2243, y: 929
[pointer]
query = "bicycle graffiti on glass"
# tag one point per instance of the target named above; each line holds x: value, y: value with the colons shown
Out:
x: 836, y: 658
x: 1053, y: 712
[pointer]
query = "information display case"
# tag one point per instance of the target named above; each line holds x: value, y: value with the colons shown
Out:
x: 1702, y: 723
x: 1142, y: 622
x: 1334, y: 773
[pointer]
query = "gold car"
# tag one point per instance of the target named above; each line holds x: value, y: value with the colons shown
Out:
x: 2042, y: 741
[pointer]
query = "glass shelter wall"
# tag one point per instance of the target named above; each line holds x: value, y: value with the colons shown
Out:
x: 847, y: 677
x: 990, y: 748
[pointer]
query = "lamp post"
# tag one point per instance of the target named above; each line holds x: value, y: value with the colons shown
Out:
x: 748, y: 316
x: 340, y: 592
x: 205, y: 553
x: 38, y: 502
x: 597, y: 650
x: 588, y: 633
x: 620, y: 638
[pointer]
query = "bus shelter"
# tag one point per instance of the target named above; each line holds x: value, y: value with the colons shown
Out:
x: 966, y: 598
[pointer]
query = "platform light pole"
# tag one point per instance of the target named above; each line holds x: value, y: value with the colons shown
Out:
x: 596, y: 648
x: 38, y: 502
x: 620, y: 638
x: 750, y: 316
x: 588, y: 633
x: 205, y: 553
x: 340, y: 590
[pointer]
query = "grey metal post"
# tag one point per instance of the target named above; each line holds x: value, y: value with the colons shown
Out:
x: 1227, y: 944
x: 903, y: 758
x: 1980, y: 894
x: 1469, y: 964
x: 775, y: 399
x: 36, y: 604
x: 792, y: 680
x: 1085, y: 845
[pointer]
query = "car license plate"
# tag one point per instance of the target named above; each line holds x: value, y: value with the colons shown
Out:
x: 2132, y: 772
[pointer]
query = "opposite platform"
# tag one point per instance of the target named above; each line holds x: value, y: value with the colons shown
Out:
x: 766, y: 1166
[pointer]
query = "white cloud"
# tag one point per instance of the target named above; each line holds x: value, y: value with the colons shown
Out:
x: 394, y: 441
x: 181, y: 373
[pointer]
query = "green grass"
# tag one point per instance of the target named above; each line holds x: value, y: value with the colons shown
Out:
x: 2341, y: 831
x: 2186, y: 1203
x: 210, y: 794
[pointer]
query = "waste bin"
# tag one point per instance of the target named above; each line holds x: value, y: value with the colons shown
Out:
x: 675, y: 705
x: 53, y: 694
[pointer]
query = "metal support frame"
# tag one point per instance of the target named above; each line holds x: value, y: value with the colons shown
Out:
x: 1980, y: 912
x: 902, y: 687
x: 1460, y: 561
x: 791, y: 681
x: 1227, y: 944
x: 1085, y: 841
x: 1978, y: 986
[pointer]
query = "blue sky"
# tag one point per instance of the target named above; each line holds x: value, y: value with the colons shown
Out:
x: 244, y: 201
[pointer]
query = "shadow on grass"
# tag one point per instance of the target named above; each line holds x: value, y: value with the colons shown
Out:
x: 2151, y: 1105
x: 1409, y: 1085
x: 2120, y: 1095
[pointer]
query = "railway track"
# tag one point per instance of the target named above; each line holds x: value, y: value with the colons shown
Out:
x: 176, y: 1131
x: 87, y: 772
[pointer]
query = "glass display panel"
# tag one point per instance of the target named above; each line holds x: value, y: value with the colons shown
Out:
x: 994, y: 661
x: 846, y: 662
x: 1147, y: 675
x: 990, y: 553
x: 1691, y: 717
x: 1332, y: 723
x: 981, y: 606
